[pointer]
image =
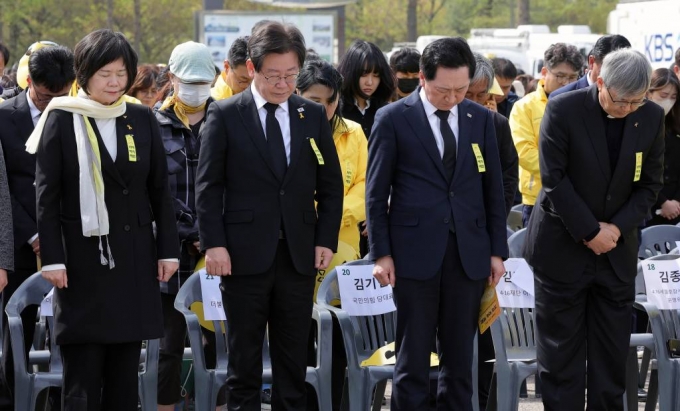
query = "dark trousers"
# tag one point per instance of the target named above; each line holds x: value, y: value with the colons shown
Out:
x: 526, y: 213
x: 25, y: 264
x: 485, y: 352
x: 171, y: 351
x: 100, y: 377
x: 279, y: 300
x: 585, y: 322
x: 445, y: 306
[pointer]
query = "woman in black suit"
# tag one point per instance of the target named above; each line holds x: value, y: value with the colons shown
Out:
x: 664, y: 91
x: 101, y: 179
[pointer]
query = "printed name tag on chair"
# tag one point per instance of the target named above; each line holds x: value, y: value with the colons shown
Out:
x: 361, y: 293
x: 516, y: 287
x: 46, y: 309
x: 662, y: 282
x: 213, y: 309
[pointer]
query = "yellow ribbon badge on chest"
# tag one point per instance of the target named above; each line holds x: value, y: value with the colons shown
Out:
x: 480, y: 159
x: 132, y: 151
x: 638, y: 166
x: 319, y: 157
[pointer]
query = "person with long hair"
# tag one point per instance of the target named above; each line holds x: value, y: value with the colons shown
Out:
x: 664, y: 91
x: 101, y: 179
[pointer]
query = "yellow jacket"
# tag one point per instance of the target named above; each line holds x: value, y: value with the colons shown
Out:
x: 352, y: 148
x: 221, y: 89
x: 525, y: 124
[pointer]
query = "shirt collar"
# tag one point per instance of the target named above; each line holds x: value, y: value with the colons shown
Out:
x: 260, y: 101
x: 34, y: 110
x: 590, y: 82
x: 430, y: 109
x: 368, y: 104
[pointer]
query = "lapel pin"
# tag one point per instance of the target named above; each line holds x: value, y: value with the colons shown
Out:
x: 469, y: 115
x: 124, y: 116
x: 129, y: 127
x: 635, y: 124
x: 301, y: 110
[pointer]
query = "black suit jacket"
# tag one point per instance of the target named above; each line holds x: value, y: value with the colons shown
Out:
x: 17, y: 126
x: 240, y: 202
x: 103, y: 305
x: 509, y: 159
x: 579, y: 189
x: 405, y: 166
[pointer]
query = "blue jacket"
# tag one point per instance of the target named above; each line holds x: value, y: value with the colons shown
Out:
x: 577, y: 85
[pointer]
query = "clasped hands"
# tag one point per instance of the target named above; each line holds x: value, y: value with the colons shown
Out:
x: 605, y: 240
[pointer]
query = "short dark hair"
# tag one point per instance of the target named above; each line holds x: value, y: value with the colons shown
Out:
x: 273, y: 37
x: 405, y: 60
x: 363, y: 57
x: 312, y: 55
x: 238, y: 52
x: 323, y: 73
x: 147, y: 76
x: 559, y: 53
x: 100, y: 48
x: 677, y: 57
x: 52, y: 67
x: 449, y: 52
x: 5, y: 53
x: 606, y: 44
x: 503, y: 68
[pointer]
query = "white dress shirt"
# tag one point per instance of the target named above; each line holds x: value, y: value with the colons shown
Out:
x: 282, y: 116
x: 434, y: 122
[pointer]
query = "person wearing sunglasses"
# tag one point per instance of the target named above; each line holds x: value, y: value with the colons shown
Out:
x: 601, y: 156
x: 50, y: 74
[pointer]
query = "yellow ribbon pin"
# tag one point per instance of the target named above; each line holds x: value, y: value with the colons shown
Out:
x: 319, y: 157
x: 480, y: 159
x: 132, y: 151
x: 638, y: 166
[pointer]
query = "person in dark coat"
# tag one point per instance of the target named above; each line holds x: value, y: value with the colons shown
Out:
x: 101, y: 180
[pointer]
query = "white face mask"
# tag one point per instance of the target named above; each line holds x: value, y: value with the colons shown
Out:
x: 193, y: 95
x: 667, y: 104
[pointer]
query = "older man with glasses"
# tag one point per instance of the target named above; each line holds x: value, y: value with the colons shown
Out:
x: 601, y: 160
x: 562, y: 65
x: 49, y: 73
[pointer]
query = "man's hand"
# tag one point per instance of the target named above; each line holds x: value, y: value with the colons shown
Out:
x: 491, y: 104
x: 56, y: 277
x: 613, y: 229
x: 497, y: 270
x: 322, y: 257
x: 166, y: 269
x: 217, y: 261
x: 603, y: 242
x: 36, y: 246
x: 3, y: 279
x: 383, y: 271
x: 364, y: 232
x: 670, y: 209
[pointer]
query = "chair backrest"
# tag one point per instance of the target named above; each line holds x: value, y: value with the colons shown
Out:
x: 515, y: 243
x: 514, y: 335
x: 514, y: 220
x: 370, y: 332
x: 517, y: 207
x: 188, y: 294
x: 658, y: 239
x: 509, y: 232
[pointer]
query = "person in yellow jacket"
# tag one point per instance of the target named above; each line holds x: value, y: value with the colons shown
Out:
x: 234, y: 79
x: 320, y: 82
x: 563, y: 64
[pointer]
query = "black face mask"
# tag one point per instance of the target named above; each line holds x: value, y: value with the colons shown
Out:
x: 407, y: 85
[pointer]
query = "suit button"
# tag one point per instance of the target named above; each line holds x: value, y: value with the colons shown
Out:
x: 125, y: 192
x: 451, y: 194
x: 126, y: 228
x: 446, y: 221
x: 282, y: 192
x: 609, y: 197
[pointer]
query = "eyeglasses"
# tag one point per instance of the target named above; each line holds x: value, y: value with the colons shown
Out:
x: 624, y: 104
x: 289, y: 79
x: 561, y: 77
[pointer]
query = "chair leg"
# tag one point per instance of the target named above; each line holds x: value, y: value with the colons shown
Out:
x: 492, y: 401
x: 379, y: 395
x: 652, y: 391
x: 644, y: 367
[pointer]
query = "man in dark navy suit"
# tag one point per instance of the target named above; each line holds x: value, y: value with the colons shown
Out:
x: 603, y: 46
x: 436, y: 218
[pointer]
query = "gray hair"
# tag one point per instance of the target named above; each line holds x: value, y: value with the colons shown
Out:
x: 627, y: 71
x: 483, y: 71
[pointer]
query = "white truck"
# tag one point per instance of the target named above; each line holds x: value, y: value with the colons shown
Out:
x: 651, y: 27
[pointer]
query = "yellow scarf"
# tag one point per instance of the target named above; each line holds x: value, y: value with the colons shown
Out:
x: 181, y: 109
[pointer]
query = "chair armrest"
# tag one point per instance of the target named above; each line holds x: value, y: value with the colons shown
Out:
x: 324, y: 336
x: 658, y: 328
x: 195, y: 337
x: 16, y: 333
x: 349, y: 336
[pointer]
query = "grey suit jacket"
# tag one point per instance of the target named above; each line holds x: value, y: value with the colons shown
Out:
x: 6, y: 238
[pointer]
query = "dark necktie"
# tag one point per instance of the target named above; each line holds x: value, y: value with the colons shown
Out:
x: 449, y: 158
x: 275, y: 141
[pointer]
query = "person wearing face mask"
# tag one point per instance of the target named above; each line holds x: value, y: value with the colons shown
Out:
x: 180, y: 117
x: 404, y: 65
x: 664, y: 91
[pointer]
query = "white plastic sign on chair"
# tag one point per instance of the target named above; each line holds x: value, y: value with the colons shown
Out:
x: 361, y: 293
x: 516, y: 287
x: 662, y: 281
x: 46, y: 305
x: 213, y: 309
